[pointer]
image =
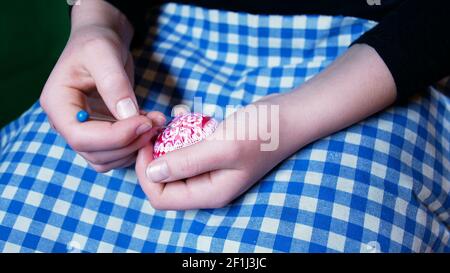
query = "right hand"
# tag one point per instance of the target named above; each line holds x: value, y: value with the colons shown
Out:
x: 96, y: 62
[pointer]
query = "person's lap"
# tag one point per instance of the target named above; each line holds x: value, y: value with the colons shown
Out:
x: 378, y: 185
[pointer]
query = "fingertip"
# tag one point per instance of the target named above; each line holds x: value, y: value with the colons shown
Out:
x: 143, y: 128
x: 157, y: 117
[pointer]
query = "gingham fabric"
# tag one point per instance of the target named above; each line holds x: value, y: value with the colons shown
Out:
x: 380, y: 185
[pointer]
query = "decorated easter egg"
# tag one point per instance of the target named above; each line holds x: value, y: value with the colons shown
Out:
x: 184, y: 130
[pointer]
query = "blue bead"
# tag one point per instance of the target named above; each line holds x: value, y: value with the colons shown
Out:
x: 82, y: 116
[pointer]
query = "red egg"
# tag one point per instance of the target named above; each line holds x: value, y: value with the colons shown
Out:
x: 184, y: 130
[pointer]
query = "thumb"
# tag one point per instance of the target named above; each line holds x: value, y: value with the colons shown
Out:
x: 205, y: 156
x: 106, y: 64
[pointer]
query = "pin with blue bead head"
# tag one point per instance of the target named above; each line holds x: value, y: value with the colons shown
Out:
x: 83, y: 116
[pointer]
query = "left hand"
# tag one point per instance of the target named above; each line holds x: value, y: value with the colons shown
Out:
x: 212, y: 173
x: 209, y: 174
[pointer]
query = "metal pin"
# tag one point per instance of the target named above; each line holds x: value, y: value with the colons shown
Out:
x: 83, y: 116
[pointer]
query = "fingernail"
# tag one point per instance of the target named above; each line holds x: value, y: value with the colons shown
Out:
x: 158, y: 171
x: 126, y: 108
x: 143, y: 128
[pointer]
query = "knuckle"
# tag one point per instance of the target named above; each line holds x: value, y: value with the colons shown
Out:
x: 220, y: 200
x: 95, y: 43
x: 100, y: 168
x: 156, y: 203
x: 111, y: 79
x: 43, y: 101
x: 73, y: 142
x: 76, y: 142
x: 94, y: 159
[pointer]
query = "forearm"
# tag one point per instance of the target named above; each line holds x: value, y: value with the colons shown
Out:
x: 355, y: 86
x: 101, y: 14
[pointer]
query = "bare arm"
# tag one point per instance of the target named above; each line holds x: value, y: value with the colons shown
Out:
x: 354, y: 87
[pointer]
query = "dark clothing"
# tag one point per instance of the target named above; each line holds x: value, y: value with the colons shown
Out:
x: 412, y: 37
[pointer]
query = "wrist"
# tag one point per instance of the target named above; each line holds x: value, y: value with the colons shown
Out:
x: 101, y: 14
x: 296, y: 127
x: 355, y: 86
x: 284, y: 118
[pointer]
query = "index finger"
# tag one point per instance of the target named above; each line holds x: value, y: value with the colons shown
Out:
x: 62, y: 107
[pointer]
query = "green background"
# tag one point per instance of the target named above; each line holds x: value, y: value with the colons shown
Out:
x: 32, y: 35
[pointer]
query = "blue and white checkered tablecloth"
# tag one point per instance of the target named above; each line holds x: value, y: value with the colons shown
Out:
x: 380, y: 185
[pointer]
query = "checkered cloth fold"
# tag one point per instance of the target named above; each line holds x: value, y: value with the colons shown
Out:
x: 380, y: 185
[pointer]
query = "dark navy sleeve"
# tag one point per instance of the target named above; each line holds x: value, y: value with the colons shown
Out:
x: 412, y: 37
x: 414, y: 42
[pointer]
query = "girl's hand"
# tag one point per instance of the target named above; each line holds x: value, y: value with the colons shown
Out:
x: 96, y: 62
x: 212, y: 173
